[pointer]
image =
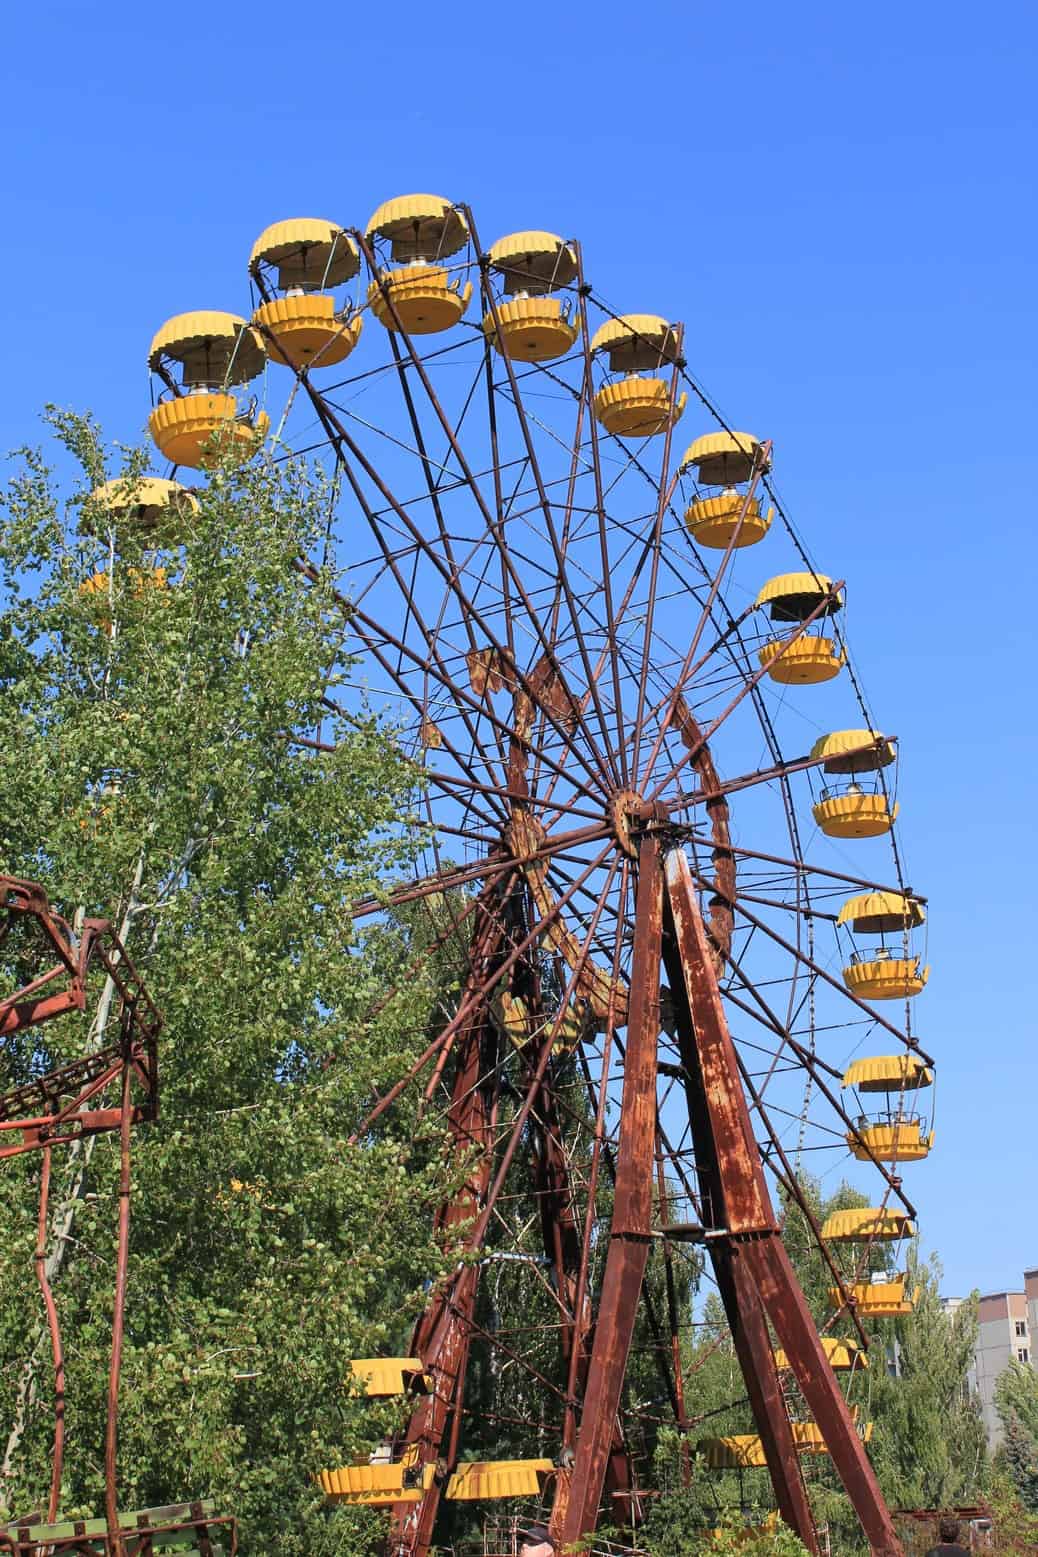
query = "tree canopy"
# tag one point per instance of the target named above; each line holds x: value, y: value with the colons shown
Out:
x: 150, y: 689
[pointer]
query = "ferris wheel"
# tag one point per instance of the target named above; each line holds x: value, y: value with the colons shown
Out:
x: 662, y: 827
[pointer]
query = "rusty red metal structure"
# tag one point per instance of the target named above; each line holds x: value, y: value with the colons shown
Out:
x: 574, y: 675
x: 111, y: 1086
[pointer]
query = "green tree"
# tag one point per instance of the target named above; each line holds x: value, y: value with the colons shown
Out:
x: 1016, y: 1401
x: 927, y: 1442
x: 150, y: 775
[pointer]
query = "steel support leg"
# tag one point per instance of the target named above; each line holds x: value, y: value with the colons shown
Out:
x: 632, y: 1209
x: 442, y: 1335
x: 756, y: 1251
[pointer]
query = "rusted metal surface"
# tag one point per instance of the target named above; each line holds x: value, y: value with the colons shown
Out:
x: 53, y: 1109
x: 57, y: 1350
x: 632, y: 1210
x: 510, y: 603
x: 750, y: 1222
x: 441, y: 1338
x: 141, y: 1534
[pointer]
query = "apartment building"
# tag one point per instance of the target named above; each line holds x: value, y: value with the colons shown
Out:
x: 1004, y: 1335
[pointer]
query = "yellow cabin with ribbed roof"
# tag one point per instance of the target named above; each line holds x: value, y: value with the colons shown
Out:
x: 418, y: 293
x: 532, y: 324
x: 878, y: 1299
x: 642, y: 402
x: 729, y: 517
x: 304, y: 260
x: 860, y: 806
x: 842, y: 1355
x: 867, y: 1224
x: 377, y: 1485
x: 150, y: 507
x: 201, y: 420
x: 796, y: 598
x: 898, y: 1134
x: 477, y: 1481
x: 883, y: 972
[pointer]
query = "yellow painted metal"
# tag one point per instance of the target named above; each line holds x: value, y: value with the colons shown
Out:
x: 793, y: 596
x: 308, y: 252
x: 888, y: 1073
x: 378, y: 1485
x: 195, y: 430
x: 533, y: 262
x: 532, y: 329
x: 842, y: 750
x: 212, y: 348
x: 425, y: 297
x: 419, y: 227
x: 867, y: 1224
x: 383, y: 1376
x: 478, y: 1479
x: 843, y: 1355
x: 637, y: 407
x: 145, y: 503
x: 741, y: 1451
x: 308, y: 331
x: 878, y: 1299
x: 886, y: 978
x: 713, y: 521
x: 722, y: 459
x: 806, y: 662
x: 870, y: 913
x: 851, y: 815
x: 808, y: 1438
x: 636, y: 342
x: 900, y: 1142
x: 737, y: 1451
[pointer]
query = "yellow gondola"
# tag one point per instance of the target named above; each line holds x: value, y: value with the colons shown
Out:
x: 867, y: 1224
x: 310, y: 257
x: 878, y: 1299
x: 534, y: 325
x: 897, y: 1134
x: 811, y: 658
x: 881, y: 972
x: 478, y: 1480
x: 377, y: 1485
x: 899, y: 1140
x: 842, y: 1355
x: 727, y: 460
x: 386, y: 1376
x: 213, y: 352
x: 418, y: 293
x: 888, y: 1073
x: 149, y: 506
x: 636, y: 406
x: 724, y: 459
x: 854, y: 810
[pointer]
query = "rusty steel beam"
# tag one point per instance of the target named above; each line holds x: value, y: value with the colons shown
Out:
x: 442, y: 1335
x: 750, y: 1226
x: 746, y: 1318
x: 632, y: 1213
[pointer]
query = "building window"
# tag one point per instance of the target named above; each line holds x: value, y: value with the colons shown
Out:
x: 1023, y: 1355
x: 1021, y: 1328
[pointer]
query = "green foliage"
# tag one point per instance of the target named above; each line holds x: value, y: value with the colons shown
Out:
x: 927, y: 1445
x: 151, y: 776
x: 1016, y: 1529
x: 1016, y: 1401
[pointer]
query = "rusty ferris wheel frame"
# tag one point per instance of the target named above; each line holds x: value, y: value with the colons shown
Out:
x: 512, y: 608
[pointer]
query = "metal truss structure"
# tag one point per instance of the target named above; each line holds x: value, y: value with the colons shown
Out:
x: 606, y: 701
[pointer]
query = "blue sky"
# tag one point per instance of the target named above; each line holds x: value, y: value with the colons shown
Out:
x: 837, y: 201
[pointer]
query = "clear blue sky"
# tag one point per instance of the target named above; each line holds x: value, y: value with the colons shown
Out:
x: 839, y: 203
